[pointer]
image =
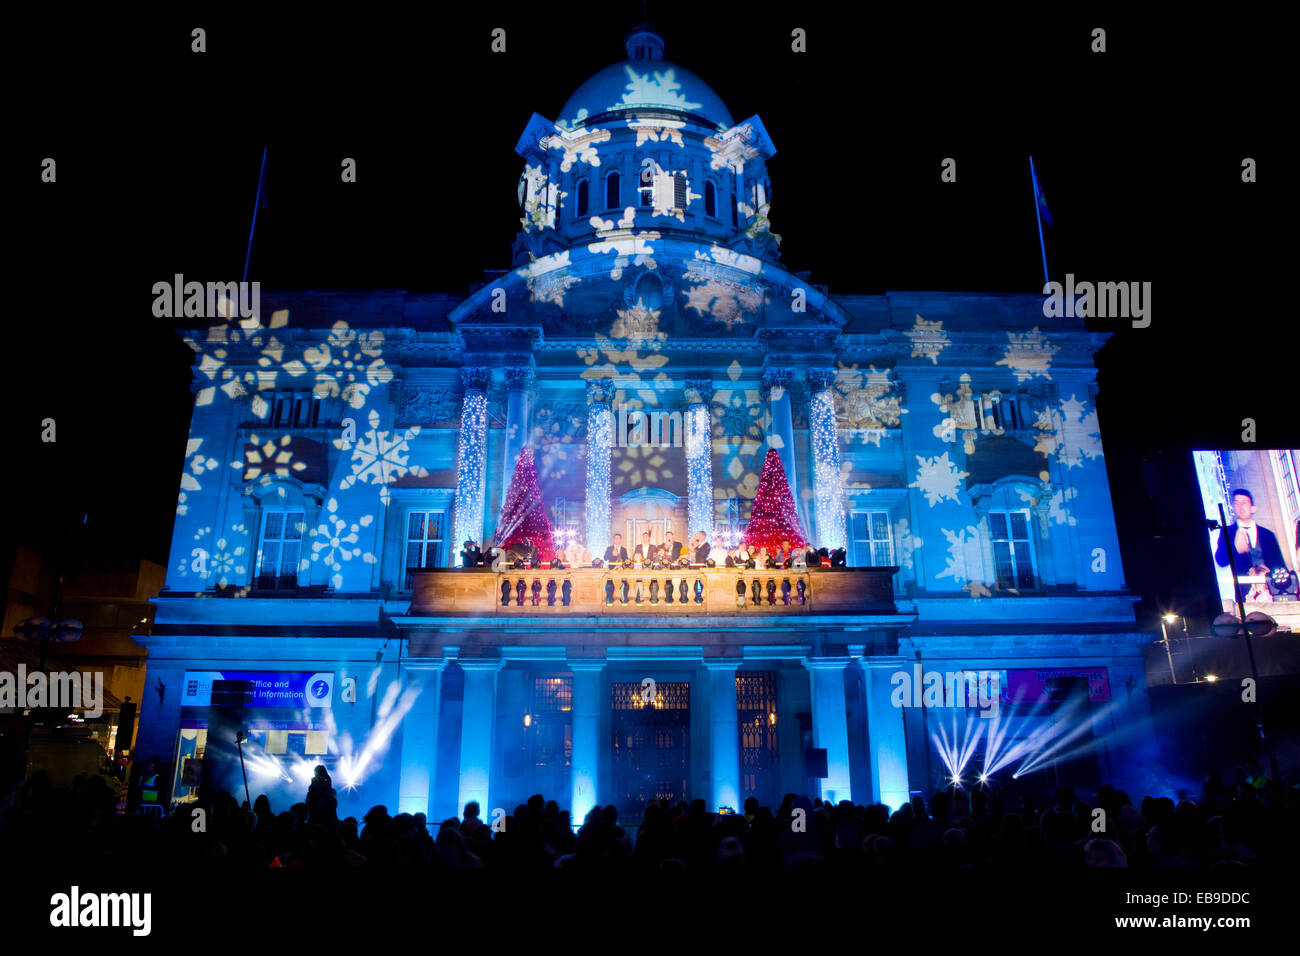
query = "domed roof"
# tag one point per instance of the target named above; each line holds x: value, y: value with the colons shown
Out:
x: 645, y: 81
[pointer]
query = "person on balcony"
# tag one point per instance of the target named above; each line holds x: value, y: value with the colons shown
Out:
x: 616, y: 554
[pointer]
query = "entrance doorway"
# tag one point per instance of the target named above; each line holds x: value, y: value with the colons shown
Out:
x: 652, y: 745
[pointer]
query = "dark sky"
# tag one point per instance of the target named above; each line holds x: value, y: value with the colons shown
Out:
x: 1138, y: 149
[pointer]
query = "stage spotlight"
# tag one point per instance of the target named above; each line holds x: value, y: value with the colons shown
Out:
x: 1170, y: 618
x: 1211, y: 678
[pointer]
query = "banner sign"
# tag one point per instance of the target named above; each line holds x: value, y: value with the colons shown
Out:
x: 1028, y: 685
x: 292, y: 689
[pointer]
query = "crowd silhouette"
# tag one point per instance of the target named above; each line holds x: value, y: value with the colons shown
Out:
x: 1246, y: 824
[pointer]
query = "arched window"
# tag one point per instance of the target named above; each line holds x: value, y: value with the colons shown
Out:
x: 710, y: 199
x: 583, y: 190
x: 613, y: 197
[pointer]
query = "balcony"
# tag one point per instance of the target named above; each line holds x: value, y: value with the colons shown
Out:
x: 684, y: 592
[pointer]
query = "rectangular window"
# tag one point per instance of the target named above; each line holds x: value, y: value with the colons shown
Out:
x: 873, y: 539
x: 295, y: 410
x: 679, y: 191
x: 277, y: 561
x: 424, y: 540
x: 1012, y: 554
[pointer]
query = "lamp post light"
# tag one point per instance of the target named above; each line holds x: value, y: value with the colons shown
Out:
x: 1165, y: 620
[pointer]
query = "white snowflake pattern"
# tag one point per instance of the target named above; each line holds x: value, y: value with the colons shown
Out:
x: 1068, y: 433
x: 928, y: 339
x: 196, y: 463
x: 341, y: 366
x: 908, y: 543
x: 1028, y: 355
x: 964, y: 560
x: 381, y: 457
x: 938, y: 479
x: 336, y: 542
x: 227, y: 561
x: 269, y: 459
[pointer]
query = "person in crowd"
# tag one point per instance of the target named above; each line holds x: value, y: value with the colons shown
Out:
x: 470, y: 555
x: 673, y: 548
x: 763, y: 560
x: 616, y: 554
x: 702, y: 548
x: 782, y: 556
x: 582, y: 558
x: 644, y: 550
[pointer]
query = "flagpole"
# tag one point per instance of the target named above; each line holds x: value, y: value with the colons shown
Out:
x: 258, y: 202
x: 1038, y: 214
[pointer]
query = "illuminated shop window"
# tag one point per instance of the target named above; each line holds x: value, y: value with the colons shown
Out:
x: 281, y: 544
x: 1012, y: 554
x: 425, y: 533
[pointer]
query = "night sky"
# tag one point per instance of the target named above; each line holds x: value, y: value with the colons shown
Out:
x: 1139, y: 152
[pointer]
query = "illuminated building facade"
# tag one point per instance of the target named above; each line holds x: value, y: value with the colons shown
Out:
x: 344, y: 445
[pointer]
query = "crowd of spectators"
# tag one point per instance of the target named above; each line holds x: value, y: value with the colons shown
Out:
x: 1247, y: 824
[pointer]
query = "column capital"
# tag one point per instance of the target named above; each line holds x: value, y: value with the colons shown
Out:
x: 519, y: 377
x: 699, y: 391
x: 776, y: 376
x: 600, y: 391
x: 585, y: 665
x: 722, y: 664
x: 475, y: 378
x: 482, y: 665
x: 820, y: 379
x: 433, y: 665
x: 826, y: 663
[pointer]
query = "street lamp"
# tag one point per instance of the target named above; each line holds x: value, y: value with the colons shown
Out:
x: 1167, y: 619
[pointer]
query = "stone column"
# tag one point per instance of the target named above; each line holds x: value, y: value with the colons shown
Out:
x: 600, y: 437
x: 724, y: 734
x: 830, y: 730
x: 518, y: 380
x: 699, y: 457
x: 776, y: 384
x: 886, y: 738
x: 587, y: 706
x: 470, y: 458
x: 830, y: 527
x: 420, y: 739
x: 477, y: 723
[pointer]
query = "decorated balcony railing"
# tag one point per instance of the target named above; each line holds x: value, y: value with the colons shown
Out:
x: 674, y: 592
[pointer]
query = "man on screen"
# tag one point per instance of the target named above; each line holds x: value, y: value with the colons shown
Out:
x: 1253, y: 545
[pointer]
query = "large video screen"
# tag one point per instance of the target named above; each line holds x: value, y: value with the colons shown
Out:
x: 1261, y: 502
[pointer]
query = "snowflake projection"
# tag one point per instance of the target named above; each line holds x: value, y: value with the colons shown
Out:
x: 578, y: 146
x: 629, y: 248
x: 928, y: 339
x: 1028, y: 355
x: 717, y: 290
x: 907, y: 543
x: 1056, y: 503
x: 266, y: 460
x: 214, y: 348
x: 962, y: 415
x: 760, y: 225
x: 336, y: 541
x: 938, y: 479
x: 651, y: 129
x: 864, y: 404
x: 347, y: 366
x: 656, y: 88
x: 664, y: 195
x: 740, y: 424
x: 195, y: 561
x: 1068, y: 433
x: 964, y: 561
x: 227, y: 561
x: 380, y: 457
x: 544, y: 198
x: 548, y: 279
x: 196, y: 463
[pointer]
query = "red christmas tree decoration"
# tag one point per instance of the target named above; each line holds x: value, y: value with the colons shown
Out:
x: 523, y: 515
x: 773, y: 518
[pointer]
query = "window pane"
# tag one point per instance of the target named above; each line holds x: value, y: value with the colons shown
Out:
x: 430, y: 555
x: 860, y: 555
x: 879, y: 525
x: 611, y: 191
x: 317, y: 743
x: 1002, y: 561
x: 293, y: 526
x: 679, y: 191
x: 1024, y: 567
x: 582, y: 198
x: 710, y: 199
x: 998, y: 525
x: 413, y: 554
x: 881, y: 557
x: 270, y: 557
x: 274, y: 525
x: 859, y: 524
x: 435, y: 526
x: 289, y: 560
x: 1019, y: 526
x: 415, y: 526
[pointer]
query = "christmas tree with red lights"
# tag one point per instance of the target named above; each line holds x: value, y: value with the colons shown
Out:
x: 773, y: 518
x: 523, y: 515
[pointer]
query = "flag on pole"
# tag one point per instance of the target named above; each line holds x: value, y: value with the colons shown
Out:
x: 1039, y: 197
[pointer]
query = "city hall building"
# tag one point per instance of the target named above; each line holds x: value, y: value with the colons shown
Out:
x: 343, y: 447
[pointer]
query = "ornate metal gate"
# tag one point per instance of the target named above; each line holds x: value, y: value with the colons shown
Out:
x: 652, y: 745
